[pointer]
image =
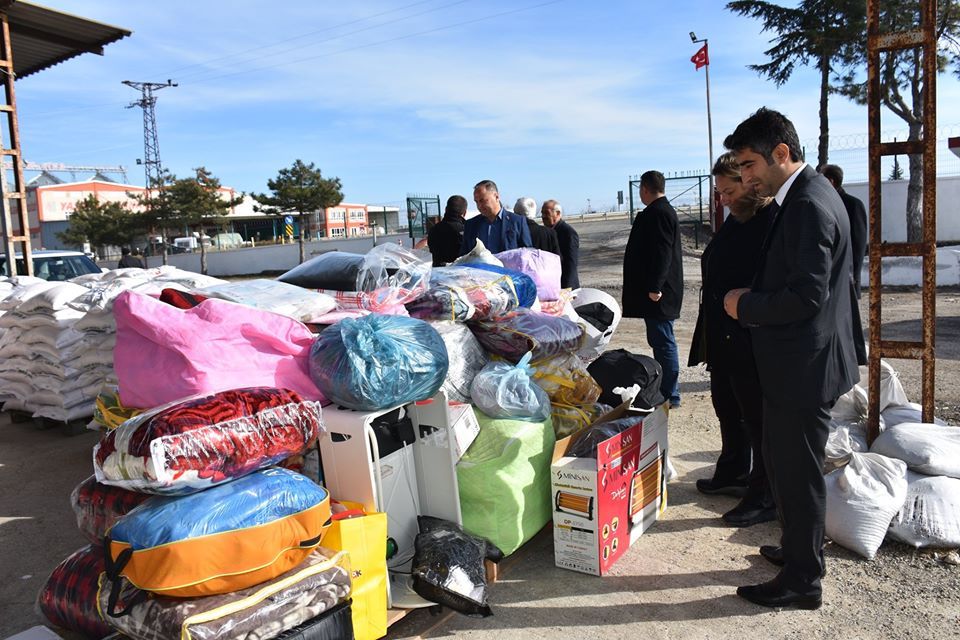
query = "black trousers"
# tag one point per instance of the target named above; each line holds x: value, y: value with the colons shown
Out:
x: 738, y: 403
x: 793, y: 448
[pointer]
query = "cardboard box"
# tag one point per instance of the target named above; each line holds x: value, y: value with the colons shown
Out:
x: 601, y: 506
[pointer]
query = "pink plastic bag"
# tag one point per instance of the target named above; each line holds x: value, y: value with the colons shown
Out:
x: 164, y: 353
x: 542, y: 266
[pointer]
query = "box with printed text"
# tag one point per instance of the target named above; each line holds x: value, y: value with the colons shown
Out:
x: 601, y: 506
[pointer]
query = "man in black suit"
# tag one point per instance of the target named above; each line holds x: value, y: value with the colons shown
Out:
x: 653, y: 278
x: 445, y: 238
x: 858, y: 220
x: 542, y: 237
x: 799, y: 314
x: 552, y: 214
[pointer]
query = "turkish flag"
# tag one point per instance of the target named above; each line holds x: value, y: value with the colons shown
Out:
x: 700, y: 58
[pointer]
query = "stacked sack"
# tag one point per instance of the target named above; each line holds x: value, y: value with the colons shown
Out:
x: 196, y: 533
x: 906, y: 485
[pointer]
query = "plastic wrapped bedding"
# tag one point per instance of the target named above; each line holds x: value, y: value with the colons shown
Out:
x: 511, y: 335
x: 378, y: 361
x: 216, y: 346
x: 263, y: 611
x: 566, y: 380
x: 465, y: 355
x: 335, y: 270
x: 522, y: 283
x: 99, y: 506
x: 504, y: 481
x: 227, y: 538
x: 199, y: 442
x: 68, y: 600
x: 461, y: 293
x: 542, y: 266
x: 278, y: 297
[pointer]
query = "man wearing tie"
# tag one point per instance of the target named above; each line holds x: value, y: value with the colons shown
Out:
x: 798, y: 311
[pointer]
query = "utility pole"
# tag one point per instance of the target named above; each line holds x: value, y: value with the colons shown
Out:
x: 151, y: 147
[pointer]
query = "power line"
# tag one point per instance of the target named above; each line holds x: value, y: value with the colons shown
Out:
x: 380, y: 42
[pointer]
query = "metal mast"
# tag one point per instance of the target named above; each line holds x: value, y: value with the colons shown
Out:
x: 151, y: 147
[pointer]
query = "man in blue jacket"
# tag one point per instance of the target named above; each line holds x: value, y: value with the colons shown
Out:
x: 497, y: 228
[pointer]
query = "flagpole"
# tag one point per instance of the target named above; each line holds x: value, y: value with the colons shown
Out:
x: 706, y: 48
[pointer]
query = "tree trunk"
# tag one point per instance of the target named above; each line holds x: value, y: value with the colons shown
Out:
x: 822, y: 149
x: 163, y: 245
x: 915, y: 191
x: 203, y: 254
x: 303, y: 251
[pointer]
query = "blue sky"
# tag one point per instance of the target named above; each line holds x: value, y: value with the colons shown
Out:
x: 561, y: 99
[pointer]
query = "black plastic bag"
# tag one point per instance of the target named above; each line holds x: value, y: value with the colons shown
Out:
x: 586, y: 445
x: 621, y: 368
x: 448, y: 566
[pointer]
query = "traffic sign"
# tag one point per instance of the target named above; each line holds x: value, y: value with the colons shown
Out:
x: 288, y: 220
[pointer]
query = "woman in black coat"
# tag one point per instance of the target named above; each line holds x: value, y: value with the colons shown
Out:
x: 729, y: 262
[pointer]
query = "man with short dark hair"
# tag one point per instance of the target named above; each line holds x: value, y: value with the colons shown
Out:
x: 128, y: 261
x: 445, y: 238
x: 569, y: 239
x: 858, y: 220
x: 798, y: 311
x: 653, y: 278
x: 496, y: 227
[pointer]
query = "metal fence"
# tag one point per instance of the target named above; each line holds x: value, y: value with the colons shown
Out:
x: 689, y: 193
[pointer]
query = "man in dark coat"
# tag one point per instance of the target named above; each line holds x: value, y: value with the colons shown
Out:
x: 798, y: 311
x: 653, y: 278
x: 496, y: 227
x: 552, y: 214
x: 543, y: 238
x: 445, y: 238
x: 858, y: 220
x: 128, y: 261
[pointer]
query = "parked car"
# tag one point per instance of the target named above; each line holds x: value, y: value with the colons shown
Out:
x: 54, y: 265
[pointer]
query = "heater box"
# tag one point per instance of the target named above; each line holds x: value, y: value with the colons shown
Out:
x: 603, y: 505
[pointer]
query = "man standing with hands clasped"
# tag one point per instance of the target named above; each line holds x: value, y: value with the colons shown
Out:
x: 798, y: 311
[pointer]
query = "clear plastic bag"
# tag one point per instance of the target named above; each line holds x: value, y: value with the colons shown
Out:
x: 378, y: 361
x: 569, y: 419
x: 510, y: 335
x: 448, y: 566
x: 460, y: 293
x: 522, y: 283
x: 467, y: 358
x: 263, y: 611
x: 392, y: 275
x: 99, y: 506
x: 279, y: 297
x: 503, y: 390
x: 68, y: 599
x: 566, y: 380
x: 196, y: 443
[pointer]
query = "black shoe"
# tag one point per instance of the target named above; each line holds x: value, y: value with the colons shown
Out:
x: 772, y: 594
x: 749, y: 515
x: 713, y: 487
x: 774, y: 554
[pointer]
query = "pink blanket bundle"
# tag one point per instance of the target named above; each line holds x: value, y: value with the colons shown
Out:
x: 164, y: 353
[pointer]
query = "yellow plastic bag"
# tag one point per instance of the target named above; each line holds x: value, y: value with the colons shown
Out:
x: 566, y: 380
x: 364, y: 538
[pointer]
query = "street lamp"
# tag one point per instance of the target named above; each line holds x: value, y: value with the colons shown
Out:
x: 695, y: 40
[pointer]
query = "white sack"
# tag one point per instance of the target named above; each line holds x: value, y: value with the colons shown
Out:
x: 930, y: 516
x: 862, y: 499
x: 926, y: 448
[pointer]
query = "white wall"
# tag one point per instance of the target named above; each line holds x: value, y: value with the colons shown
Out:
x: 893, y: 199
x: 279, y: 257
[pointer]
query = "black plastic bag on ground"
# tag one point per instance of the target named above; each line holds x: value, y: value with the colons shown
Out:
x: 448, y: 566
x: 621, y: 368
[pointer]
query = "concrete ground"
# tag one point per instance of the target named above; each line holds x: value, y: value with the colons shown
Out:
x: 677, y: 581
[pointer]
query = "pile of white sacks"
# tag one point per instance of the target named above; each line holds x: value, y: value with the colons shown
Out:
x: 57, y: 338
x: 905, y: 486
